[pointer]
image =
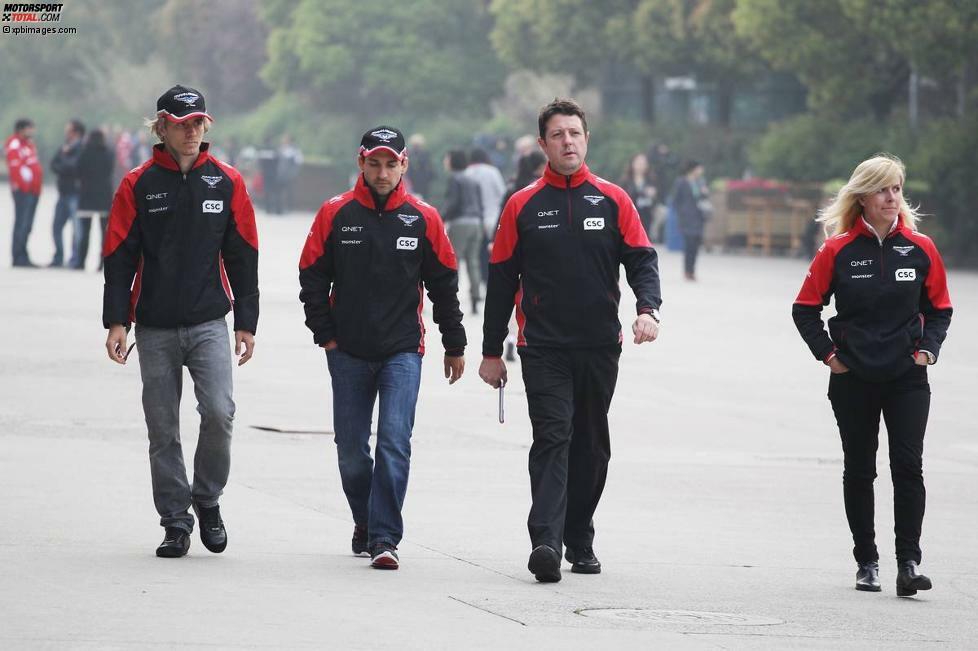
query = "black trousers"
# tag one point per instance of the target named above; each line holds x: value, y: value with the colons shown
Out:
x: 568, y: 392
x: 691, y: 249
x: 904, y: 404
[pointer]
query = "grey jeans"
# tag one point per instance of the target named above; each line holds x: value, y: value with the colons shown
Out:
x: 205, y: 350
x: 466, y: 238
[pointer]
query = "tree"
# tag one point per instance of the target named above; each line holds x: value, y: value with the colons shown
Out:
x: 380, y: 58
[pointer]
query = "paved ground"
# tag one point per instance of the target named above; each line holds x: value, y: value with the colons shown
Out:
x: 721, y: 526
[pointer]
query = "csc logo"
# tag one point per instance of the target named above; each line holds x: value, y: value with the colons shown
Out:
x: 594, y: 223
x: 906, y: 274
x: 212, y: 206
x: 407, y: 243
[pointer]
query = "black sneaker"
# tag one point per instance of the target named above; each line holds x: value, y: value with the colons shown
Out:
x: 909, y: 579
x: 583, y: 560
x: 545, y: 564
x: 212, y: 532
x: 383, y: 556
x: 359, y: 541
x: 175, y: 543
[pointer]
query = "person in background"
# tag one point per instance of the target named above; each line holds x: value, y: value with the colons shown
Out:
x: 24, y: 169
x: 691, y: 201
x: 94, y: 196
x: 422, y: 173
x: 65, y: 167
x: 289, y: 165
x: 462, y: 213
x: 893, y: 310
x: 638, y: 181
x: 492, y: 189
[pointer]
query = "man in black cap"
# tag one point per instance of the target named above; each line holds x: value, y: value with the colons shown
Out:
x: 370, y: 253
x: 181, y: 251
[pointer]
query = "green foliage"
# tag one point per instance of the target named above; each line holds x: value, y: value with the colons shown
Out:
x: 374, y: 58
x: 947, y: 160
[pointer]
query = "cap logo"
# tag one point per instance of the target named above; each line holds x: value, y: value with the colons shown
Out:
x: 187, y: 98
x: 211, y: 181
x: 384, y: 134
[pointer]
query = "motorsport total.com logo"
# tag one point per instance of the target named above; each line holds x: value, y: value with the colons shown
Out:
x: 31, y: 12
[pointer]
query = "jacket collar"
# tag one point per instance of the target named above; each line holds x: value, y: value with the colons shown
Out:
x: 560, y: 180
x: 395, y: 199
x: 163, y: 158
x: 862, y: 227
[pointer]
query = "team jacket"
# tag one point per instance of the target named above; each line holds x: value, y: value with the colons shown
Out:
x: 363, y: 269
x: 556, y: 256
x: 891, y: 301
x: 23, y: 165
x: 181, y: 249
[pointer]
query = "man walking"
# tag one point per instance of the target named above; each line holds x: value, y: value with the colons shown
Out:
x: 370, y: 253
x: 24, y: 170
x: 181, y: 252
x: 65, y: 166
x: 463, y: 217
x: 569, y: 336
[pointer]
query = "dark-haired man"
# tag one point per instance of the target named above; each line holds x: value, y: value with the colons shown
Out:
x: 181, y: 251
x: 556, y: 256
x: 65, y: 166
x: 24, y: 169
x: 370, y: 254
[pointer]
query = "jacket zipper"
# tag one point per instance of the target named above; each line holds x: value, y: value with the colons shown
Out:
x: 569, y: 221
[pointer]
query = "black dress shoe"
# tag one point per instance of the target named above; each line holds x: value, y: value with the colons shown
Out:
x: 359, y: 542
x: 909, y: 579
x: 583, y: 560
x: 212, y: 532
x: 175, y: 543
x: 545, y: 564
x: 868, y: 577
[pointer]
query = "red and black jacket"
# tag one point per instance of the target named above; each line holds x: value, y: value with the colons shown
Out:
x: 891, y: 301
x: 364, y: 267
x: 556, y: 256
x: 181, y: 249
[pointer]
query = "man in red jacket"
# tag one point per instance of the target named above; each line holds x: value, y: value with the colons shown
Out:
x: 25, y: 183
x: 181, y: 251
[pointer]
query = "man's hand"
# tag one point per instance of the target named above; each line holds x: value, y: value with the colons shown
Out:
x: 920, y: 359
x: 645, y: 328
x: 838, y: 367
x: 246, y: 338
x: 454, y: 367
x: 330, y: 345
x: 115, y: 343
x: 493, y: 371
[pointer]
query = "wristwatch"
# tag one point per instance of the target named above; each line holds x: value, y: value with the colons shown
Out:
x: 655, y: 315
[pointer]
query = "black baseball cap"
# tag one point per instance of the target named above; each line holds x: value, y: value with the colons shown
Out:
x: 181, y: 103
x: 383, y: 138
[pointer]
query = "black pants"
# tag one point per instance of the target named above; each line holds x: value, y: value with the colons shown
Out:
x: 904, y: 403
x: 568, y: 393
x: 691, y: 248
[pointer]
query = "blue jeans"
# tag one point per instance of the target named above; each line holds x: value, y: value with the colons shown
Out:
x: 64, y: 212
x: 25, y: 204
x: 375, y: 491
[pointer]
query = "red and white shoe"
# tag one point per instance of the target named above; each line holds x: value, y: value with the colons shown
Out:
x: 384, y: 557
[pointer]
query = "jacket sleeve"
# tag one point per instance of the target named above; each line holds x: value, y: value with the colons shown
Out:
x: 439, y: 272
x: 122, y: 253
x: 815, y: 292
x: 240, y: 255
x: 935, y: 303
x: 17, y: 182
x: 503, y: 282
x: 317, y: 273
x: 640, y: 260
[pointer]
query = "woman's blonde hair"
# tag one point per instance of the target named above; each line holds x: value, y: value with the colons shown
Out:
x: 880, y: 171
